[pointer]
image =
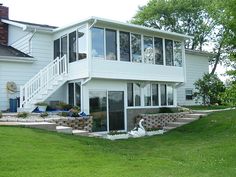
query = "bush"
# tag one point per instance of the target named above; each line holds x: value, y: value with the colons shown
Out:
x: 22, y: 114
x: 74, y: 112
x: 0, y: 114
x: 44, y: 114
x: 63, y: 114
x: 63, y: 106
x: 41, y: 104
x: 165, y: 110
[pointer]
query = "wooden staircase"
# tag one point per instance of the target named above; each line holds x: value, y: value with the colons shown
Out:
x: 182, y: 121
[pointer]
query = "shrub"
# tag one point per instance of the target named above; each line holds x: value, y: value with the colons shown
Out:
x: 0, y: 114
x: 63, y: 114
x: 74, y: 112
x: 41, y: 104
x: 63, y: 106
x: 22, y: 114
x: 44, y: 114
x: 165, y: 110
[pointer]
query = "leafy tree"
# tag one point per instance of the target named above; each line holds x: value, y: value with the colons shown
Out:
x: 209, y: 89
x: 229, y: 96
x: 191, y: 17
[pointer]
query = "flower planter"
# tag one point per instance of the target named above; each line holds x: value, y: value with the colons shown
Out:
x: 42, y: 108
x: 157, y: 132
x: 118, y: 136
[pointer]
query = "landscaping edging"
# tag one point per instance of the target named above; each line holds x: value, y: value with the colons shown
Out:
x: 159, y: 120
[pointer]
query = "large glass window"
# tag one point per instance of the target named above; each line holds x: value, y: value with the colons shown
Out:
x: 124, y: 46
x: 82, y: 43
x: 71, y: 93
x: 111, y: 48
x: 72, y: 46
x: 147, y: 95
x: 98, y: 42
x: 63, y: 46
x: 98, y: 109
x: 77, y: 94
x: 56, y: 46
x: 169, y: 52
x: 170, y: 94
x: 137, y: 94
x: 136, y: 48
x: 155, y: 93
x: 148, y: 50
x: 177, y: 53
x: 130, y: 94
x: 158, y: 42
x: 163, y: 95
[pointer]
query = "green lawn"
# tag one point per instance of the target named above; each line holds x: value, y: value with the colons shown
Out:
x: 204, y: 148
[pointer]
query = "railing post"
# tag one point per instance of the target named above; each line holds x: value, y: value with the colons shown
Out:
x: 65, y: 64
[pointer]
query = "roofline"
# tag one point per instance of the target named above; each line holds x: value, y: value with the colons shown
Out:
x: 123, y: 24
x: 27, y: 27
x: 17, y: 59
x: 200, y: 53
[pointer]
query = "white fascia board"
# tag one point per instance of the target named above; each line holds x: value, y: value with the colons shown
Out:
x: 28, y: 27
x: 199, y: 53
x: 124, y: 24
x: 17, y: 59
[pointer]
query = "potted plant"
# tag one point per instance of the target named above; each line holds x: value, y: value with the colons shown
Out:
x: 154, y: 131
x: 42, y: 106
x: 114, y: 135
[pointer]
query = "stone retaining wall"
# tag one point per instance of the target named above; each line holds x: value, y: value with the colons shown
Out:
x: 160, y: 119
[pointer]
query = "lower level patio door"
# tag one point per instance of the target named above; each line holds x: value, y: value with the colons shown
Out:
x: 107, y: 109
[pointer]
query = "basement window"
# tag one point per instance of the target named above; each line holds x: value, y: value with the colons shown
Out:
x: 189, y: 94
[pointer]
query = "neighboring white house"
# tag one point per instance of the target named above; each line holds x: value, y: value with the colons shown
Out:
x: 112, y: 70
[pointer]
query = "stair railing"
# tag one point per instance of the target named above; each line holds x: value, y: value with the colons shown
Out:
x: 43, y: 80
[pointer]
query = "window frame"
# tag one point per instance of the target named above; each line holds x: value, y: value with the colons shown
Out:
x: 192, y: 97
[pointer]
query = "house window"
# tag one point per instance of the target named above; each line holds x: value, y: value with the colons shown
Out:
x: 72, y: 47
x: 136, y: 48
x: 111, y: 48
x: 98, y: 42
x: 189, y: 94
x: 169, y: 52
x: 163, y: 95
x: 56, y: 47
x: 177, y: 53
x: 170, y: 95
x: 155, y: 95
x: 77, y: 94
x: 124, y: 46
x: 71, y: 93
x: 130, y: 94
x: 63, y: 46
x: 147, y: 95
x: 82, y: 43
x: 74, y: 94
x: 148, y: 50
x: 158, y: 42
x: 137, y: 94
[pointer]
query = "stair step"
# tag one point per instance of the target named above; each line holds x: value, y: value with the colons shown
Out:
x: 186, y: 119
x: 176, y: 124
x: 168, y: 128
x: 64, y: 129
x: 194, y: 115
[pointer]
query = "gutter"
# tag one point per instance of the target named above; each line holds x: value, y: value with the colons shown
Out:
x: 17, y: 59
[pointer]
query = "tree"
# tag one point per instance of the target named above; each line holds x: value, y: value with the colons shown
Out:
x: 191, y: 17
x: 209, y: 89
x: 229, y: 96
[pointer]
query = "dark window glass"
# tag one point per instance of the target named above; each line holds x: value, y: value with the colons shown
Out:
x: 130, y: 94
x: 170, y: 95
x: 71, y: 93
x: 147, y: 95
x: 136, y: 48
x: 189, y: 94
x: 169, y: 52
x: 63, y: 46
x: 56, y: 46
x: 98, y: 109
x: 72, y: 47
x: 155, y: 99
x: 158, y: 42
x: 124, y: 46
x: 98, y: 42
x: 82, y: 43
x: 148, y: 50
x: 137, y: 94
x: 111, y: 47
x: 178, y: 53
x: 77, y: 94
x: 163, y: 95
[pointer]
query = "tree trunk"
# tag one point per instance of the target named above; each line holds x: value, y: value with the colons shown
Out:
x: 217, y: 59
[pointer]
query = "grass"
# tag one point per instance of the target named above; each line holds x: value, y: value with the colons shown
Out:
x: 203, y: 148
x: 211, y: 107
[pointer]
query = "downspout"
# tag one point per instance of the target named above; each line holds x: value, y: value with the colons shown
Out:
x: 31, y: 37
x: 90, y: 58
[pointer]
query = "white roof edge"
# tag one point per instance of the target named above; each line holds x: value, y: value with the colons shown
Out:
x: 25, y: 27
x: 17, y: 59
x: 201, y: 53
x: 124, y: 24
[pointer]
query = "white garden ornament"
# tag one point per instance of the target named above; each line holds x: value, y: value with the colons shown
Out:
x: 138, y: 132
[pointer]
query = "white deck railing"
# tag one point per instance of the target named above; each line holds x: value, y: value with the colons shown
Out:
x: 43, y: 80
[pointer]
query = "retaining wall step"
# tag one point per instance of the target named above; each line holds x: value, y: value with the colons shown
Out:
x: 64, y: 129
x: 194, y: 115
x: 186, y: 119
x: 41, y: 125
x: 168, y: 128
x: 176, y: 124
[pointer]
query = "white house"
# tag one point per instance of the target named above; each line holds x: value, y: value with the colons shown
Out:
x: 112, y: 70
